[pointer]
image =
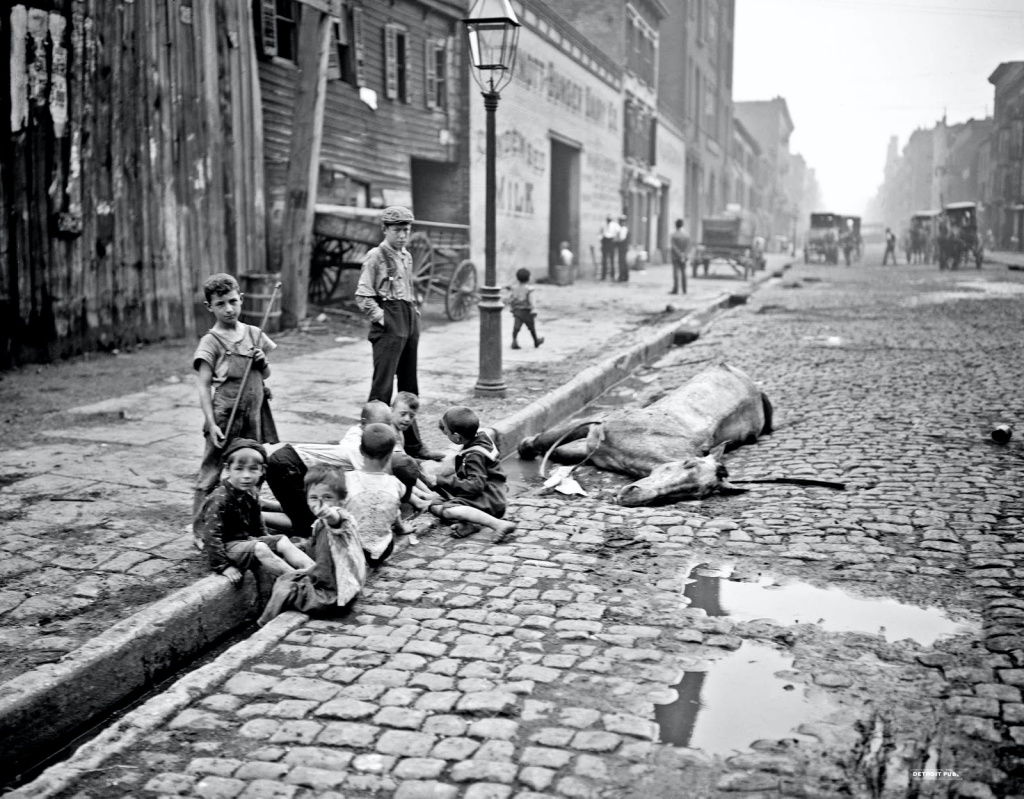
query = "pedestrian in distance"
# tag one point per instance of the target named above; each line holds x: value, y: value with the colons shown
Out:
x: 386, y: 294
x: 220, y: 361
x: 521, y: 302
x: 231, y: 525
x: 622, y: 246
x: 890, y: 247
x: 680, y: 242
x: 476, y: 495
x: 339, y: 569
x: 609, y: 239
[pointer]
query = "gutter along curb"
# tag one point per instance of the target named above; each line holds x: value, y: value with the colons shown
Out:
x: 44, y: 709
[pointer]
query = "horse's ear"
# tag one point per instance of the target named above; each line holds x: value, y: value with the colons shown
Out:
x: 718, y: 452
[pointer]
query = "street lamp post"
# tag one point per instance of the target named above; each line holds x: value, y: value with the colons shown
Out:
x: 493, y: 33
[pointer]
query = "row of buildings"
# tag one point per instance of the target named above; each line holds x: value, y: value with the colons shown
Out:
x: 980, y: 160
x: 154, y: 142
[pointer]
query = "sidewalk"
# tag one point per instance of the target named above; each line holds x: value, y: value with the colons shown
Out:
x: 95, y: 513
x: 1013, y: 260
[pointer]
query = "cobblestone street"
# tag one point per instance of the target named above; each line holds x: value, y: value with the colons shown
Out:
x: 560, y: 663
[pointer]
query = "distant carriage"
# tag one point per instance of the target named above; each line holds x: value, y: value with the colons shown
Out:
x: 822, y: 242
x: 342, y: 235
x: 959, y: 240
x: 732, y: 239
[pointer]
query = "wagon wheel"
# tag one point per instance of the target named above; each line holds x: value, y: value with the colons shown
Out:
x: 325, y: 268
x: 422, y: 252
x: 462, y: 294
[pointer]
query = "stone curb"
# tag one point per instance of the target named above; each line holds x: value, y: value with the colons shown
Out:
x: 40, y: 709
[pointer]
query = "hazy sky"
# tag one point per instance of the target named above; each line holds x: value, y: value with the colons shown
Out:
x: 855, y: 72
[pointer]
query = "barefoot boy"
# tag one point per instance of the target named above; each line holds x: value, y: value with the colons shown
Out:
x: 476, y: 493
x: 335, y: 545
x: 230, y: 523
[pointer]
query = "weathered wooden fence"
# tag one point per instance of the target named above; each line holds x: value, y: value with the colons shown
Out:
x: 131, y: 170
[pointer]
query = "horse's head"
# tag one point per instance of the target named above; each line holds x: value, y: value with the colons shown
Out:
x: 691, y: 478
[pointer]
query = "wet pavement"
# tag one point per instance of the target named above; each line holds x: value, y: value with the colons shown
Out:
x: 578, y: 659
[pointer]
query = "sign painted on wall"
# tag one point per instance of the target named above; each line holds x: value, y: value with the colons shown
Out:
x: 545, y: 79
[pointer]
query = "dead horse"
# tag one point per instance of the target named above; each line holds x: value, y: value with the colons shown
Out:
x: 674, y: 446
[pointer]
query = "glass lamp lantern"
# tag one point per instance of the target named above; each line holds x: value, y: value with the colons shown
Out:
x: 493, y: 32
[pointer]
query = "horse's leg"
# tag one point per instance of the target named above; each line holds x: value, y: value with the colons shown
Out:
x: 532, y: 446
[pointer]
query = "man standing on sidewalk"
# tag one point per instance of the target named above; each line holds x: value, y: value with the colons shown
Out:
x: 680, y: 252
x: 622, y: 245
x: 609, y: 236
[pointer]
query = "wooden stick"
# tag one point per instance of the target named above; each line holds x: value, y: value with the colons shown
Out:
x: 248, y: 366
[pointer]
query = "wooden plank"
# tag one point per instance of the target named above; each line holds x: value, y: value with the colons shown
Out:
x: 303, y: 165
x: 205, y: 30
x: 252, y: 103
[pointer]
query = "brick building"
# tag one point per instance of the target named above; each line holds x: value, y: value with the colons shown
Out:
x: 1007, y: 155
x: 769, y: 122
x: 559, y: 147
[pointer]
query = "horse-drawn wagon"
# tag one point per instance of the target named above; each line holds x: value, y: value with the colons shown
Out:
x: 959, y: 239
x: 823, y: 238
x: 342, y: 235
x: 731, y: 239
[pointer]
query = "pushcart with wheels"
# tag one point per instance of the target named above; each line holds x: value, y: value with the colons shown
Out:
x: 342, y: 235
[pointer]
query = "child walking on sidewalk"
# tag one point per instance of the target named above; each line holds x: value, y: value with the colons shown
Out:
x: 523, y: 311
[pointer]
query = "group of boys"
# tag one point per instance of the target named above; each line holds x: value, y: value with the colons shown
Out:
x: 337, y: 507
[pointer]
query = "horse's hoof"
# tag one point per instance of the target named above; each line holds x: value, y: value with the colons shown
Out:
x: 526, y: 449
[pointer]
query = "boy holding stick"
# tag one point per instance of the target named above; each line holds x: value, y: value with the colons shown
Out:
x: 231, y: 365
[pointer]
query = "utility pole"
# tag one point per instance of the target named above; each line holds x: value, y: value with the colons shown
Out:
x: 304, y: 159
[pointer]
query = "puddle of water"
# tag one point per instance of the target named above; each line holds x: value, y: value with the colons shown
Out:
x: 830, y: 608
x: 736, y: 701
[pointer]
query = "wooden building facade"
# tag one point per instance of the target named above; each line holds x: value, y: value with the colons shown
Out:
x: 131, y: 169
x: 394, y: 108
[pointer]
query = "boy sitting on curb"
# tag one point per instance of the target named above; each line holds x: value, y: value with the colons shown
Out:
x: 231, y: 525
x: 375, y: 495
x: 340, y: 569
x: 476, y: 494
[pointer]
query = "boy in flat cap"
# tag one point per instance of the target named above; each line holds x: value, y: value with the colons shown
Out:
x: 386, y: 293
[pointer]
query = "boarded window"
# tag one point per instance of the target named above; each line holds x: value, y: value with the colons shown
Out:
x: 435, y: 59
x: 396, y: 61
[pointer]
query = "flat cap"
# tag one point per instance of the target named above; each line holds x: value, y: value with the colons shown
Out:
x: 396, y: 214
x: 242, y: 443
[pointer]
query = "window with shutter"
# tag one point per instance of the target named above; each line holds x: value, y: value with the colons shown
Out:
x: 430, y: 65
x: 435, y: 58
x: 266, y: 27
x: 334, y: 55
x: 402, y: 53
x: 357, y: 45
x: 396, y: 61
x: 390, y: 61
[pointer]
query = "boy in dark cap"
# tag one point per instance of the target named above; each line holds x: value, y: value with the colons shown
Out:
x: 386, y: 294
x: 231, y: 525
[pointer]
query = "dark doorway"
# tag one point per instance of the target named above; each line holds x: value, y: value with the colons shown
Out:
x: 438, y: 192
x: 564, y: 222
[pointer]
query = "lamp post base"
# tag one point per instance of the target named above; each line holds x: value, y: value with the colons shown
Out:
x: 491, y: 382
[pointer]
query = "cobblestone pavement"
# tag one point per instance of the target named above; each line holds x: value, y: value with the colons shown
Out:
x: 94, y: 511
x: 548, y: 666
